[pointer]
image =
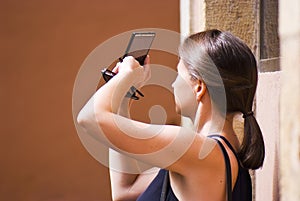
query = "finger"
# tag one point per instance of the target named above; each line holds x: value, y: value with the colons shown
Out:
x: 147, y: 67
x: 147, y: 70
x: 147, y: 60
x: 128, y: 58
x: 116, y: 68
x: 130, y: 62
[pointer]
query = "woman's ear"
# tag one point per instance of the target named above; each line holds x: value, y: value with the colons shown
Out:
x: 200, y: 89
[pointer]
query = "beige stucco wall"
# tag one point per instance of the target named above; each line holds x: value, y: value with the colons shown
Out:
x: 289, y: 27
x: 267, y: 115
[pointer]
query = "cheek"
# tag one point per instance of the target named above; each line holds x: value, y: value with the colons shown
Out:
x: 185, y: 98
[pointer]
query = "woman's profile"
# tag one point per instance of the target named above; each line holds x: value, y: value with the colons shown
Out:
x: 217, y: 79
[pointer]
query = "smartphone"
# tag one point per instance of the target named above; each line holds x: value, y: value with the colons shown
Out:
x: 139, y: 46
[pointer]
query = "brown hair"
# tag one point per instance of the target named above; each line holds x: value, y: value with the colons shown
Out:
x: 233, y: 61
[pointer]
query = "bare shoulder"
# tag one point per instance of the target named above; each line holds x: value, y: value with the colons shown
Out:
x: 204, y: 177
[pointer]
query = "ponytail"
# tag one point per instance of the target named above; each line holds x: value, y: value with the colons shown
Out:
x: 252, y: 150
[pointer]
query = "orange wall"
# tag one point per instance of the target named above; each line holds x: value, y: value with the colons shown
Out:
x: 43, y: 44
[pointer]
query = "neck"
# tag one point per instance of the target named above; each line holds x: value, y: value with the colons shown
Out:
x: 209, y: 120
x: 228, y: 131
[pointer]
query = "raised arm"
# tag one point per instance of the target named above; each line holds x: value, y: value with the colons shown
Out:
x: 163, y: 146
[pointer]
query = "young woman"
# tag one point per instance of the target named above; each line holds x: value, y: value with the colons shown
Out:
x: 217, y: 78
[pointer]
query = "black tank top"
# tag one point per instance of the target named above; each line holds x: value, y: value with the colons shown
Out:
x: 160, y: 186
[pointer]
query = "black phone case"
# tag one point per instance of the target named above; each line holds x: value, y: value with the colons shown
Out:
x: 140, y: 54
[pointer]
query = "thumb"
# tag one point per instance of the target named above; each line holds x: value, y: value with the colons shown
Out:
x: 147, y: 69
x: 147, y: 60
x: 116, y: 68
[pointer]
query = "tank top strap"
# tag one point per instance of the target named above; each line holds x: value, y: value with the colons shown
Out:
x: 227, y: 143
x: 243, y: 188
x: 227, y: 169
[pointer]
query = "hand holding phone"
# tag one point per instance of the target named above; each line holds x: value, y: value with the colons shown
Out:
x: 131, y: 64
x: 138, y: 47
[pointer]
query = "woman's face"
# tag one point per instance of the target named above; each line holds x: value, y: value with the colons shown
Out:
x: 184, y: 93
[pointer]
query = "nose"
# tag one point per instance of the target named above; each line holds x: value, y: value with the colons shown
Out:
x: 174, y: 83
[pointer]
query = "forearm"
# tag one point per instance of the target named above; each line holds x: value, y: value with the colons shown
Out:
x: 123, y: 173
x: 131, y: 192
x: 110, y: 96
x: 128, y: 176
x: 106, y: 101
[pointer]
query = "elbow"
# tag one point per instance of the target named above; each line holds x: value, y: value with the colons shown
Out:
x: 86, y: 115
x: 81, y: 120
x: 87, y: 119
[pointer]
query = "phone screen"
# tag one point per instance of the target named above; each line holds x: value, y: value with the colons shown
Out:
x: 139, y: 45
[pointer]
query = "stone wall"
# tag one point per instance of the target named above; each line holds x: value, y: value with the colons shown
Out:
x: 237, y: 16
x: 269, y: 39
